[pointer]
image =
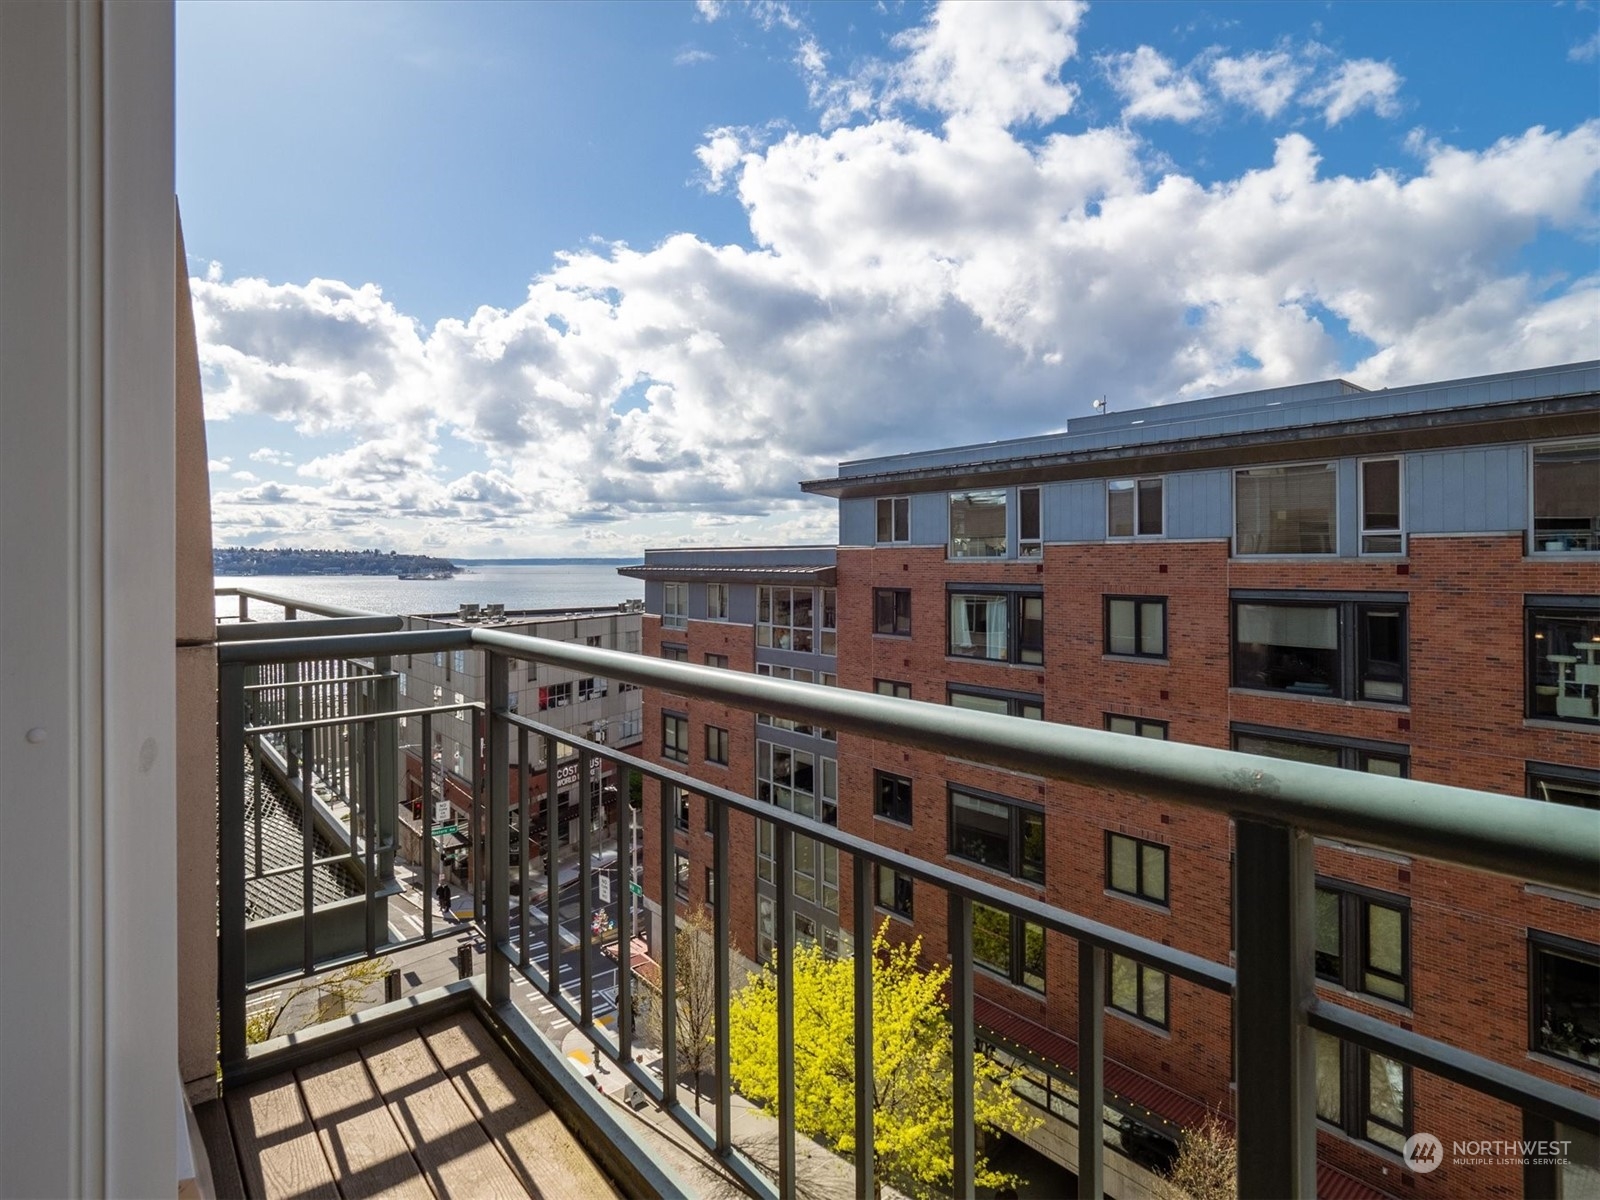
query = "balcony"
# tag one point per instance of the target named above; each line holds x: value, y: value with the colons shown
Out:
x: 313, y: 699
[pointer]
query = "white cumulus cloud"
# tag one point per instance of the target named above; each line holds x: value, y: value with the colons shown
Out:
x: 1357, y: 84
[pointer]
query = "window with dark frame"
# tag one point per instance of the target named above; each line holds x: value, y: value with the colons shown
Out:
x: 829, y: 636
x: 894, y: 891
x: 716, y: 745
x: 1563, y: 658
x: 1381, y: 531
x: 997, y: 833
x: 1028, y: 705
x: 1364, y: 940
x: 673, y: 652
x: 1135, y: 508
x: 894, y: 520
x: 1135, y: 867
x: 1030, y: 524
x: 1564, y: 998
x: 680, y: 807
x: 891, y: 797
x: 892, y: 687
x: 720, y: 661
x: 1137, y: 726
x: 1577, y: 786
x: 1136, y: 626
x: 1008, y: 946
x: 1138, y: 990
x: 1363, y: 1093
x: 996, y: 626
x: 681, y: 874
x: 1346, y: 647
x: 891, y: 609
x: 1325, y: 750
x: 675, y: 737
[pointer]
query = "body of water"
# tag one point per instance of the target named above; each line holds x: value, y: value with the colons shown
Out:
x: 542, y: 585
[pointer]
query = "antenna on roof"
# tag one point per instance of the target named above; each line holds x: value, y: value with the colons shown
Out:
x: 1102, y: 405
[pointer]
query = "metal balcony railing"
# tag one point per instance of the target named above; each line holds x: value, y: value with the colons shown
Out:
x: 1277, y: 808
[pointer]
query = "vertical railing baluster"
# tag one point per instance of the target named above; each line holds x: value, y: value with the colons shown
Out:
x: 963, y: 1134
x: 365, y: 774
x: 666, y: 829
x: 479, y: 846
x: 783, y: 931
x: 1091, y: 1067
x: 585, y: 892
x: 385, y: 697
x: 1274, y: 1052
x: 524, y: 818
x: 308, y: 855
x: 497, y: 766
x: 866, y: 1148
x: 429, y: 849
x: 722, y: 983
x: 552, y: 870
x: 625, y: 932
x: 231, y: 965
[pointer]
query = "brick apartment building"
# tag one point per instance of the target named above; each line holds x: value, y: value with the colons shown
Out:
x: 1404, y: 582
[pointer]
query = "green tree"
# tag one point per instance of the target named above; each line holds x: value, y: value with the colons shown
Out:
x: 911, y: 1055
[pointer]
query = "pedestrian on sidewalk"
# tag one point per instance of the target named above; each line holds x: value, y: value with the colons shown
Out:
x: 443, y: 893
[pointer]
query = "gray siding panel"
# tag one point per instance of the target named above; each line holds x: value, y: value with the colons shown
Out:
x: 930, y: 520
x: 1348, y: 514
x: 1480, y: 490
x: 652, y: 596
x: 1199, y: 504
x: 1074, y: 511
x: 742, y: 604
x: 858, y: 522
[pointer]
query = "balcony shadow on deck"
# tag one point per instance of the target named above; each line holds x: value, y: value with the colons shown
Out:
x: 438, y: 1108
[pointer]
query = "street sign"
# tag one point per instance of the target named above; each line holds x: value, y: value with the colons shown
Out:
x: 441, y: 810
x: 441, y: 830
x: 605, y: 889
x: 635, y: 888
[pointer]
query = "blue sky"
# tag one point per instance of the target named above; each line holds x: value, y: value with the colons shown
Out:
x: 519, y: 279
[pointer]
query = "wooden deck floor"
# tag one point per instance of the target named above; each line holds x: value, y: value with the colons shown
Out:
x: 438, y: 1111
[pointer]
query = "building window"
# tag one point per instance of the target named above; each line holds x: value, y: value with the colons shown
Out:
x: 1135, y: 508
x: 458, y: 661
x: 1576, y: 786
x: 674, y: 605
x: 720, y: 661
x: 784, y: 618
x: 1564, y: 996
x: 1009, y: 946
x: 894, y: 520
x: 673, y: 652
x: 716, y: 602
x: 1138, y: 990
x: 1381, y: 528
x: 891, y: 611
x: 681, y: 874
x: 978, y: 524
x: 1364, y: 940
x: 711, y: 885
x: 716, y: 745
x: 1137, y: 726
x: 678, y: 798
x: 1566, y: 502
x: 1137, y: 626
x: 461, y: 713
x: 1135, y: 867
x: 1027, y: 705
x: 675, y: 737
x: 1349, y: 649
x: 1351, y: 754
x: 1285, y: 510
x: 997, y: 626
x: 891, y: 797
x: 1564, y: 658
x: 795, y: 674
x: 592, y: 689
x: 894, y: 892
x: 830, y: 621
x: 829, y: 796
x: 1363, y: 1093
x: 891, y: 687
x: 998, y: 834
x: 1030, y: 524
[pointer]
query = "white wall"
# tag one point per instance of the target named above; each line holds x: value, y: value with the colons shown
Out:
x: 88, y: 1039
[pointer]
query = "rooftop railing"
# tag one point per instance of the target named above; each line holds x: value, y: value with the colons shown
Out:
x: 1277, y: 807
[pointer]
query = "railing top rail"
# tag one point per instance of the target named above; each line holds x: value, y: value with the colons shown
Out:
x: 254, y: 631
x: 322, y: 610
x: 1550, y: 844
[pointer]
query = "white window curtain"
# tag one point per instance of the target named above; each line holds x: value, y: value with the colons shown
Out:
x: 960, y: 624
x: 994, y: 614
